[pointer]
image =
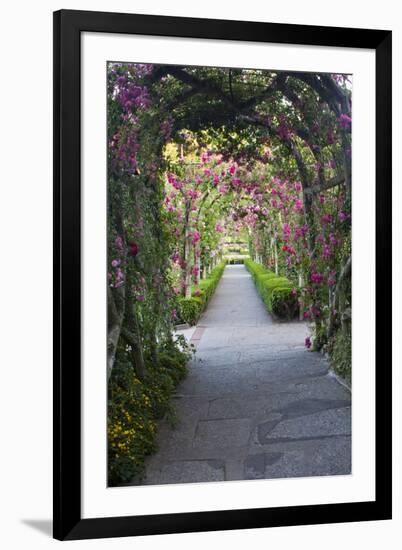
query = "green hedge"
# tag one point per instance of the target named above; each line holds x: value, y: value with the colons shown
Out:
x: 276, y: 292
x: 340, y: 350
x: 190, y: 309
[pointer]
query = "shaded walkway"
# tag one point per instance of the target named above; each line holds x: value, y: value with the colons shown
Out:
x: 255, y: 404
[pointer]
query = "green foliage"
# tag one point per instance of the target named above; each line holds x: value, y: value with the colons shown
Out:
x: 276, y: 292
x: 190, y: 309
x: 256, y: 269
x: 284, y: 302
x: 135, y: 405
x: 341, y: 353
x: 208, y: 286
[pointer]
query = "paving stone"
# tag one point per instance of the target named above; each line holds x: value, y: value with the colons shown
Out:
x: 239, y: 406
x: 188, y: 471
x: 326, y: 457
x: 230, y: 432
x: 304, y: 407
x: 255, y: 465
x: 323, y: 424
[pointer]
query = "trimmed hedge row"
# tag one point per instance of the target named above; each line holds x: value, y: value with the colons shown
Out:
x: 190, y: 309
x: 277, y: 292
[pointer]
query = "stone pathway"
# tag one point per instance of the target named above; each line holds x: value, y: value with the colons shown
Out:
x: 255, y: 404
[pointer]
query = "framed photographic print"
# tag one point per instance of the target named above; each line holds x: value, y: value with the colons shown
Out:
x: 209, y: 251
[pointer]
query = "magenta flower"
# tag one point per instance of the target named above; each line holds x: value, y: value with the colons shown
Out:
x: 332, y: 239
x: 131, y: 96
x: 298, y: 232
x: 140, y: 297
x: 298, y: 205
x: 326, y: 252
x: 196, y: 237
x: 330, y: 137
x: 307, y: 343
x: 119, y: 242
x: 286, y: 231
x: 345, y: 121
x: 177, y: 184
x: 317, y: 278
x: 175, y: 257
x: 133, y: 249
x: 115, y: 263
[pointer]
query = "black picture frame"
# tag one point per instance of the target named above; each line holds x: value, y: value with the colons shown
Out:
x: 68, y: 522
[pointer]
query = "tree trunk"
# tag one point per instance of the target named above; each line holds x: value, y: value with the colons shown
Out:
x: 198, y: 263
x: 131, y: 333
x: 301, y: 287
x: 115, y: 302
x: 276, y: 257
x: 187, y: 259
x: 345, y: 271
